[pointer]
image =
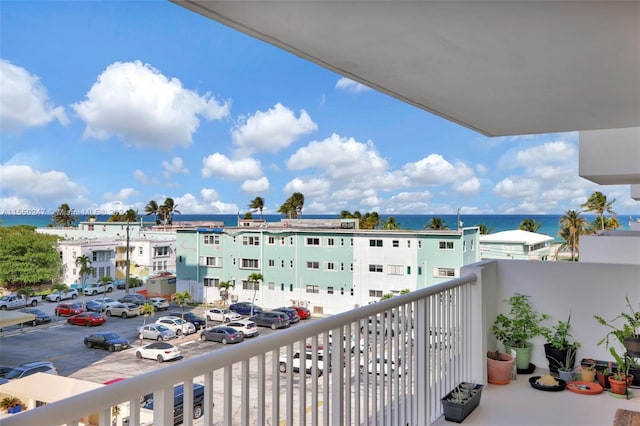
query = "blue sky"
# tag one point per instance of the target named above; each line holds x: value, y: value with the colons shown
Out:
x: 108, y: 105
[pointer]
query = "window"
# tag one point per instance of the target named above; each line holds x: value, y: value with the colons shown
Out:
x: 331, y: 266
x: 419, y: 270
x: 313, y: 241
x: 464, y: 246
x: 283, y: 241
x: 445, y: 245
x: 161, y: 251
x: 329, y: 290
x: 342, y: 242
x: 140, y: 251
x: 472, y: 241
x: 375, y: 268
x: 271, y: 240
x: 375, y: 293
x: 446, y: 272
x: 211, y: 282
x: 211, y: 239
x: 291, y: 264
x: 290, y: 241
x: 395, y: 269
x: 282, y: 263
x: 331, y: 242
x: 396, y: 243
x: 351, y: 267
x: 313, y: 288
x: 250, y: 285
x: 313, y: 265
x: 419, y: 244
x: 342, y: 266
x: 281, y: 286
x: 272, y: 263
x: 249, y: 264
x: 408, y: 270
x: 408, y: 243
x: 213, y: 261
x: 272, y: 286
x: 375, y: 243
x: 250, y: 240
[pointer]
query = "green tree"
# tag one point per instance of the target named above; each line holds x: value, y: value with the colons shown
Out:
x: 599, y: 204
x: 168, y: 209
x: 390, y: 223
x: 152, y: 208
x: 436, y: 224
x: 292, y: 208
x: 105, y: 281
x: 482, y: 227
x: 255, y: 278
x: 84, y: 264
x: 370, y: 221
x: 530, y: 225
x: 28, y: 258
x: 257, y: 204
x: 147, y: 310
x: 64, y: 216
x: 224, y: 287
x: 572, y: 225
x: 182, y: 299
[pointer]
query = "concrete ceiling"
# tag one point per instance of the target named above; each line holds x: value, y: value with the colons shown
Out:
x: 501, y: 68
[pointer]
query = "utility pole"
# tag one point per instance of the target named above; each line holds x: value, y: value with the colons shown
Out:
x: 126, y: 273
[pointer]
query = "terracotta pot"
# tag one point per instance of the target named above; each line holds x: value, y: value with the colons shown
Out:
x: 587, y: 374
x: 499, y: 371
x: 603, y: 379
x: 618, y: 386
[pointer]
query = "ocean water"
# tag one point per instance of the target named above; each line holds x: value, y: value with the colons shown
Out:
x: 494, y: 223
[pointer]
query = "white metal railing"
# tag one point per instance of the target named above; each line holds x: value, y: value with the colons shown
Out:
x: 397, y: 359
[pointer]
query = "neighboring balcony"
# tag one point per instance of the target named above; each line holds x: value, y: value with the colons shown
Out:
x: 431, y: 340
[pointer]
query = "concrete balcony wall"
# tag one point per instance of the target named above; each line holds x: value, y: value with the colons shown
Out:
x: 611, y: 156
x: 557, y: 289
x: 621, y: 247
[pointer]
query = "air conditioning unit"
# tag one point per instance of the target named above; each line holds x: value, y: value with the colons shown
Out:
x: 302, y: 303
x: 234, y: 298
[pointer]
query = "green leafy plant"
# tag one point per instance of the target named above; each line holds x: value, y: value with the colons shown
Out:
x: 629, y: 328
x: 567, y: 364
x: 462, y: 393
x: 10, y: 402
x: 623, y: 365
x: 558, y: 335
x: 521, y: 324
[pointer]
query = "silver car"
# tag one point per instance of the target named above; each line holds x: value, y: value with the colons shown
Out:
x: 124, y: 310
x: 156, y: 332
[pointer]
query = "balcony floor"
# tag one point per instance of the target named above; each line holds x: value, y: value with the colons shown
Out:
x: 519, y: 404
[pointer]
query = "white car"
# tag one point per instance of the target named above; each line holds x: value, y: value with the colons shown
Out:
x: 247, y: 327
x: 178, y: 325
x: 308, y: 356
x: 124, y: 310
x: 222, y: 315
x: 160, y: 351
x: 95, y: 288
x: 72, y: 293
x: 156, y: 332
x: 159, y: 303
x: 381, y: 366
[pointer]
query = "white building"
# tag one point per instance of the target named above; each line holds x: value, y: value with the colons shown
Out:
x: 516, y: 244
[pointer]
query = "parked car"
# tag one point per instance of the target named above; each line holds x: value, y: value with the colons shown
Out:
x: 159, y: 303
x: 178, y: 402
x: 247, y: 327
x: 157, y: 332
x: 29, y: 368
x: 93, y: 306
x: 87, y: 319
x: 197, y: 322
x: 41, y: 317
x: 71, y: 293
x: 222, y: 335
x: 303, y: 313
x: 66, y: 309
x: 106, y: 340
x: 291, y: 313
x: 160, y: 351
x: 297, y: 362
x: 4, y: 370
x: 381, y: 366
x: 136, y: 298
x: 100, y: 304
x: 245, y: 308
x: 221, y: 315
x: 178, y: 325
x: 124, y: 310
x: 271, y: 319
x: 133, y: 282
x: 95, y: 288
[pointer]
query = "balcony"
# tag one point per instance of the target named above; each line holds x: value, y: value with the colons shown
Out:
x: 435, y: 338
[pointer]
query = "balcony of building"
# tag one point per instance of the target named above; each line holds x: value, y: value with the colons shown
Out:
x: 432, y: 339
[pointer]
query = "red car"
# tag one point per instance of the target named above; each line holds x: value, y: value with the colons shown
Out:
x: 303, y: 313
x: 68, y: 309
x: 87, y: 319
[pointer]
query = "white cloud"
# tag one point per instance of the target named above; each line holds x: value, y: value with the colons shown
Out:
x: 255, y: 186
x: 175, y: 166
x: 311, y: 187
x: 122, y: 195
x: 137, y: 103
x: 24, y: 101
x: 271, y: 131
x: 342, y: 159
x: 140, y: 176
x: 549, y: 152
x: 517, y: 187
x: 469, y: 186
x: 50, y: 187
x: 432, y: 170
x: 351, y: 86
x: 209, y: 194
x: 220, y: 165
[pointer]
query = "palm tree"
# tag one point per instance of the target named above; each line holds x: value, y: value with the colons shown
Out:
x: 146, y: 311
x: 106, y: 280
x: 257, y: 204
x: 168, y: 209
x: 530, y: 225
x: 436, y: 223
x: 64, y: 216
x: 370, y: 220
x: 152, y: 209
x: 224, y: 290
x: 182, y: 299
x: 482, y: 227
x: 84, y: 263
x: 255, y: 278
x: 292, y: 208
x: 130, y: 215
x: 572, y: 226
x: 598, y: 203
x: 390, y: 223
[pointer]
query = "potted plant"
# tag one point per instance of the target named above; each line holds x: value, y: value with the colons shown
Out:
x: 12, y: 404
x: 558, y: 346
x: 603, y: 376
x: 516, y: 329
x: 620, y: 380
x: 564, y: 366
x: 461, y: 401
x: 499, y: 367
x: 587, y: 370
x: 628, y: 334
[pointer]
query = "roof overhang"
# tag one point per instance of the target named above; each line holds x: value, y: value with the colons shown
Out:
x: 9, y: 318
x: 498, y: 67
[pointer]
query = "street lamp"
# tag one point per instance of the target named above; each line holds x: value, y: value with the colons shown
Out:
x: 126, y: 272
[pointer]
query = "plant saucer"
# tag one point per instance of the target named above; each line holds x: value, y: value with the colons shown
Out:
x: 618, y: 395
